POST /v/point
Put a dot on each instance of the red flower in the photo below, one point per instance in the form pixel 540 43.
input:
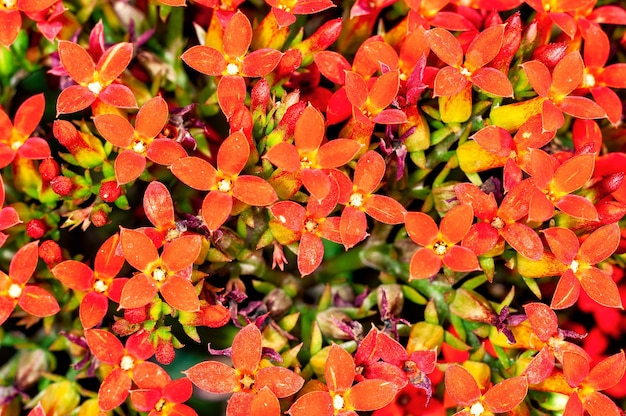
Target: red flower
pixel 256 389
pixel 129 364
pixel 370 102
pixel 95 81
pixel 307 155
pixel 100 283
pixel 140 142
pixel 452 79
pixel 225 182
pixel 159 209
pixel 342 398
pixel 8 215
pixel 168 274
pixel 163 396
pixel 15 137
pixel 285 10
pixel 439 245
pixel 576 263
pixel 500 398
pixel 368 173
pixel 11 19
pixel 233 62
pixel 14 290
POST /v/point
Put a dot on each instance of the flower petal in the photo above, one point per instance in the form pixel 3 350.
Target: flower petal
pixel 74 98
pixel 315 403
pixel 246 349
pixel 456 223
pixel 114 61
pixel 180 294
pixel 339 370
pixel 93 309
pixel 74 274
pixel 352 226
pixel 195 173
pixel 371 394
pixel 600 287
pixel 105 346
pixel 118 95
pixel 566 292
pixel 421 228
pixel 216 208
pixel 204 59
pixel 152 117
pixel 181 252
pixel 384 209
pixel 24 263
pixel 115 129
pixel 214 377
pixel 76 61
pixel 505 395
pixel 461 385
pixel 600 244
pixel 114 390
pixel 281 381
pixel 369 171
pixel 310 253
pixel 139 291
pixel 254 191
pixel 38 302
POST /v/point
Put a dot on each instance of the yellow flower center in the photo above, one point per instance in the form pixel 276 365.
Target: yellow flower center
pixel 159 274
pixel 246 381
pixel 477 409
pixel 589 81
pixel 232 69
pixel 224 185
pixel 139 145
pixel 310 225
pixel 15 291
pixel 159 405
pixel 574 266
pixel 305 163
pixel 100 286
pixel 127 363
pixel 95 87
pixel 440 248
pixel 338 402
pixel 356 200
pixel 465 72
pixel 9 4
pixel 497 223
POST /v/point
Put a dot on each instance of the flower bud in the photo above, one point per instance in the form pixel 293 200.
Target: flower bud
pixel 336 324
pixel 110 191
pixel 62 185
pixel 472 307
pixel 60 398
pixel 49 169
pixel 36 229
pixel 50 253
pixel 99 218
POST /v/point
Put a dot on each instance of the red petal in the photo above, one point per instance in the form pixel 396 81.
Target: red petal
pixel 352 227
pixel 540 367
pixel 180 294
pixel 597 404
pixel 264 403
pixel 581 107
pixel 74 98
pixel 139 291
pixel 114 61
pixel 281 381
pixel 481 238
pixel 566 292
pixel 552 116
pixel 240 404
pixel 421 228
pixel 356 89
pixel 461 259
pixel 371 394
pixel 204 59
pixel 93 309
pixel 309 131
pixel 574 407
pixel 369 171
pixel 114 390
pixel 138 249
pixel 118 95
pixel 445 46
pixel 390 116
pixel 233 154
pixel 600 287
pixel 105 346
pixel 495 139
pixel 12 24
pixel 310 253
pixel 8 218
pixel 538 76
pixel 575 368
pixel 372 54
pixel 461 385
pixel 607 373
pixel 319 184
pixel 231 93
pixel 614 76
pixel 152 117
pixel 384 90
pixel 531 134
pixel 216 209
pixel 610 103
pixel 449 81
pixel 178 391
pixel 338 152
pixel 567 74
pixel 577 207
pixel 315 403
pixel 24 263
pixel 195 173
pixel 29 114
pixel 456 223
pixel 74 274
pixel 484 206
pixel 35 148
pixel 129 166
pixel 115 129
pixel 6 308
pixel 339 369
pixel 289 214
pixel 145 400
pixel 542 319
pixel 38 302
pixel 214 377
pixel 181 252
pixel 165 151
pixel 424 264
pixel 158 205
pixel 253 190
pixel 492 82
pixel 563 243
pixel 505 395
pixel 332 65
pixel 246 349
pixel 285 156
pixel 600 244
pixel 384 209
pixel 237 36
pixel 484 48
pixel 260 63
pixel 77 62
pixel 150 375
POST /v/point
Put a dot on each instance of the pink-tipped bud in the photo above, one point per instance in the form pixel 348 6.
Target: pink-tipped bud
pixel 50 253
pixel 61 185
pixel 36 229
pixel 99 218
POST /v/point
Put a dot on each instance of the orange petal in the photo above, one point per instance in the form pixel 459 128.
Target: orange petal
pixel 339 369
pixel 369 171
pixel 315 403
pixel 332 65
pixel 581 107
pixel 12 24
pixel 260 62
pixel 608 372
pixel 540 367
pixel 578 207
pixel 214 377
pixel 237 36
pixel 600 244
pixel 563 243
pixel 281 381
pixel 337 152
pixel 204 59
pixel 542 319
pixel 74 98
pixel 445 46
pixel 309 131
pixel 461 385
pixel 384 209
pixel 165 151
pixel 216 209
pixel 74 274
pixel 356 89
pixel 456 223
pixel 505 395
pixel 38 302
pixel 114 61
pixel 254 191
pixel 567 74
pixel 600 287
pixel 448 82
pixel 492 82
pixel 180 294
pixel 485 47
pixel 421 228
pixel 538 76
pixel 76 61
pixel 485 206
pixel 461 259
pixel 115 129
pixel 424 264
pixel 233 154
pixel 181 252
pixel 310 253
pixel 264 403
pixel 285 156
pixel 566 292
pixel 114 390
pixel 384 90
pixel 195 173
pixel 24 263
pixel 246 349
pixel 129 166
pixel 575 368
pixel 289 214
pixel 158 205
pixel 139 291
pixel 118 95
pixel 93 309
pixel 152 117
pixel 29 114
pixel 352 227
pixel 574 172
pixel 597 404
pixel 105 346
pixel 138 249
pixel 318 183
pixel 371 394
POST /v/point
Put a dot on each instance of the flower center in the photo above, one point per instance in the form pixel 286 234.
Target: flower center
pixel 246 381
pixel 477 409
pixel 139 146
pixel 465 72
pixel 159 405
pixel 9 4
pixel 356 200
pixel 127 363
pixel 159 274
pixel 224 185
pixel 284 8
pixel 310 225
pixel 589 81
pixel 440 248
pixel 15 291
pixel 95 87
pixel 305 163
pixel 497 223
pixel 574 266
pixel 338 402
pixel 99 286
pixel 232 69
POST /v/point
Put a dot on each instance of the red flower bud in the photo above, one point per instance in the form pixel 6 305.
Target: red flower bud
pixel 110 191
pixel 49 169
pixel 99 218
pixel 165 351
pixel 550 54
pixel 61 185
pixel 50 253
pixel 36 229
pixel 136 315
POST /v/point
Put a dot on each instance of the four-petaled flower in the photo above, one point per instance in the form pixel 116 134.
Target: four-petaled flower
pixel 163 396
pixel 343 398
pixel 139 142
pixel 11 18
pixel 370 101
pixel 95 81
pixel 99 283
pixel 14 290
pixel 285 10
pixel 439 244
pixel 224 183
pixel 256 387
pixel 232 62
pixel 169 274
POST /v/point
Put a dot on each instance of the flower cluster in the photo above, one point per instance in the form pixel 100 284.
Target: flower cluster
pixel 387 207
